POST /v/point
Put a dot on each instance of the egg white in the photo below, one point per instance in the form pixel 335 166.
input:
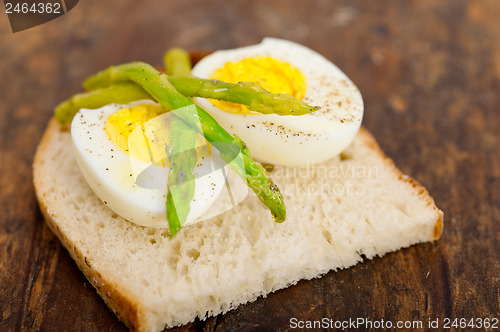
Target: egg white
pixel 109 172
pixel 293 140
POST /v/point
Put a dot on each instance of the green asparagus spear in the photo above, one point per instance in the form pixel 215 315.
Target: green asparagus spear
pixel 181 180
pixel 121 94
pixel 182 154
pixel 250 94
pixel 158 86
pixel 177 62
pixel 256 98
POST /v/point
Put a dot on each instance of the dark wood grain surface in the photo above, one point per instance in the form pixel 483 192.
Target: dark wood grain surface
pixel 429 72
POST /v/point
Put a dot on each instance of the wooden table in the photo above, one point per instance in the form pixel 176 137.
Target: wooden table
pixel 429 72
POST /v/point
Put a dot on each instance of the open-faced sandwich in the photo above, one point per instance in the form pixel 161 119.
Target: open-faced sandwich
pixel 186 192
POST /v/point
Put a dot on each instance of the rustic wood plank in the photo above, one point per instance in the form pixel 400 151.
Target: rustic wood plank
pixel 430 75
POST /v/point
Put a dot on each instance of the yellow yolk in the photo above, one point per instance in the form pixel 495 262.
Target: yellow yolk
pixel 122 123
pixel 148 144
pixel 275 76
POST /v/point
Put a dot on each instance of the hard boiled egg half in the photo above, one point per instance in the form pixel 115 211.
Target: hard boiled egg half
pixel 281 66
pixel 120 150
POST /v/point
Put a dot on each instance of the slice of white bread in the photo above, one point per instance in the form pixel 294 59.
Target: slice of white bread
pixel 355 204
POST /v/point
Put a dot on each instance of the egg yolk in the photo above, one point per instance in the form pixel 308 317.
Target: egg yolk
pixel 151 142
pixel 274 75
pixel 122 123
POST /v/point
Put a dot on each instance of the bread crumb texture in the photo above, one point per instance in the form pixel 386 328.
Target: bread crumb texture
pixel 355 205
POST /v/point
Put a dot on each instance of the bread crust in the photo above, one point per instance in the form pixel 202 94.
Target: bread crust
pixel 119 300
pixel 123 303
pixel 369 139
